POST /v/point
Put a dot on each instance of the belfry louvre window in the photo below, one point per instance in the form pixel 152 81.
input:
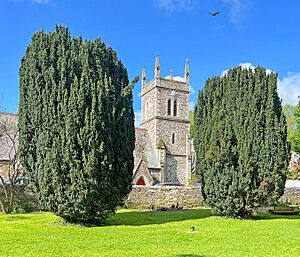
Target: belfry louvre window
pixel 175 108
pixel 169 106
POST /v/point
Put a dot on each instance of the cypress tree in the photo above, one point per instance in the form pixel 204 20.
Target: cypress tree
pixel 291 113
pixel 296 136
pixel 241 141
pixel 76 125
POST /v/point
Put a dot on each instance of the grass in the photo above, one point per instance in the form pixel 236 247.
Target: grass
pixel 132 233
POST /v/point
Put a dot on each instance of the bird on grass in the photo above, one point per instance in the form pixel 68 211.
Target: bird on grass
pixel 193 229
pixel 214 13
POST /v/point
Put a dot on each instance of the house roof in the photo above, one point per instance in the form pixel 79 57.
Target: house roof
pixel 8 131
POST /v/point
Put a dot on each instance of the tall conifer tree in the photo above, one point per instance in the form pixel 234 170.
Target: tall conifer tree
pixel 296 135
pixel 241 141
pixel 76 125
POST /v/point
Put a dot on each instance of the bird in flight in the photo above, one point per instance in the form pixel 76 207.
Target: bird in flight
pixel 214 13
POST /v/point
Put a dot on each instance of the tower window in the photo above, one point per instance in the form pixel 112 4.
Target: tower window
pixel 175 108
pixel 169 106
pixel 173 138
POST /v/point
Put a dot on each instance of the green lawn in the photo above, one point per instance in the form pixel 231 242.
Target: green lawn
pixel 132 233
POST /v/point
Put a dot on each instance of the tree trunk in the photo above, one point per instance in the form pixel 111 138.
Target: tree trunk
pixel 7 199
pixel 11 200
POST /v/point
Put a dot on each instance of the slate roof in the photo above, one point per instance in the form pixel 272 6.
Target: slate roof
pixel 144 149
pixel 6 146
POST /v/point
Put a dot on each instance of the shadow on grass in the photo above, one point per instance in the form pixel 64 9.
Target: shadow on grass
pixel 270 216
pixel 139 218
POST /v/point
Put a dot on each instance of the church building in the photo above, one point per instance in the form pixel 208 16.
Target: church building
pixel 163 148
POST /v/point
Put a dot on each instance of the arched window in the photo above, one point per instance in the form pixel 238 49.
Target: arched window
pixel 175 108
pixel 141 182
pixel 169 106
pixel 173 138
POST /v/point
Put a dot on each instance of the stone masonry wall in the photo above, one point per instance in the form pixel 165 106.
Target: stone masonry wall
pixel 150 126
pixel 24 196
pixel 165 129
pixel 4 165
pixel 143 197
pixel 291 194
pixel 148 106
pixel 175 169
pixel 182 98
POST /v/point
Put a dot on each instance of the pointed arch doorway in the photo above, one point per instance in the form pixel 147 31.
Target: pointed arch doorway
pixel 141 182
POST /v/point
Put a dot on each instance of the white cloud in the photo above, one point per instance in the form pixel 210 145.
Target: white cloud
pixel 237 9
pixel 175 5
pixel 289 88
pixel 246 65
pixel 177 78
pixel 137 119
pixel 192 90
pixel 191 105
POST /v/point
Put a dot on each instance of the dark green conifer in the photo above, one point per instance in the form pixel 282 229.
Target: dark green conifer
pixel 76 125
pixel 241 141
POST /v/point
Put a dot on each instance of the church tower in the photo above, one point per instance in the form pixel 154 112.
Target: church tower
pixel 165 115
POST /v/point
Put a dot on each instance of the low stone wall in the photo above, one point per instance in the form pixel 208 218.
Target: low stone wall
pixel 142 197
pixel 25 199
pixel 291 194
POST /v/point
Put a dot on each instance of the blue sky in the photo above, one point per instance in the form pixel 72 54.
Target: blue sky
pixel 246 31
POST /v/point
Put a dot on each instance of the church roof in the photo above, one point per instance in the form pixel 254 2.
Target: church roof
pixel 144 149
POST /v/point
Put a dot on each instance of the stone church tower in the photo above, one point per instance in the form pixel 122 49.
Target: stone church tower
pixel 165 116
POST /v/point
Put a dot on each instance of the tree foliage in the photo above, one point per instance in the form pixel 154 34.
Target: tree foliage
pixel 241 141
pixel 76 125
pixel 295 139
pixel 291 113
pixel 191 118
